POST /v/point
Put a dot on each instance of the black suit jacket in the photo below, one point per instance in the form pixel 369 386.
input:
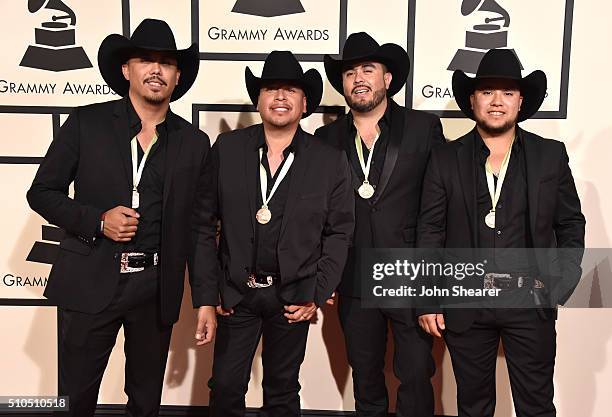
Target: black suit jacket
pixel 449 207
pixel 317 223
pixel 93 149
pixel 395 204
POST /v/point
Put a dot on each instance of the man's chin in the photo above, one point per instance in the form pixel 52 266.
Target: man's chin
pixel 498 129
pixel 281 123
pixel 156 98
pixel 361 101
pixel 365 105
pixel 361 106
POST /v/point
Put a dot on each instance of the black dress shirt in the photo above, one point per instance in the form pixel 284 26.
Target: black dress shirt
pixel 363 236
pixel 512 211
pixel 150 188
pixel 267 235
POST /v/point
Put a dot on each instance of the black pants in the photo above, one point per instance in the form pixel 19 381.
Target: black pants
pixel 284 345
pixel 86 341
pixel 365 332
pixel 529 345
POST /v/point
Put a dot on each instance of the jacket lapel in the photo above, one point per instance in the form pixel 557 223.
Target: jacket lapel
pixel 341 132
pixel 251 171
pixel 396 135
pixel 298 173
pixel 173 148
pixel 122 129
pixel 467 174
pixel 533 164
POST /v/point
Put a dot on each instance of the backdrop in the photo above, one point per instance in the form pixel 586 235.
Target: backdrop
pixel 49 65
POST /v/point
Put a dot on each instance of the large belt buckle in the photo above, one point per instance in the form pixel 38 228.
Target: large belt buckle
pixel 493 280
pixel 125 268
pixel 252 282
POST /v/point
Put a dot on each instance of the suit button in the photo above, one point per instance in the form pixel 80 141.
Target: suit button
pixel 498 232
pixel 116 255
pixel 374 210
pixel 252 239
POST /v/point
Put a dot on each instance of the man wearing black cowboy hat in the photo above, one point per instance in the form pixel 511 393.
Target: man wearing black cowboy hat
pixel 138 215
pixel 501 187
pixel 388 147
pixel 286 208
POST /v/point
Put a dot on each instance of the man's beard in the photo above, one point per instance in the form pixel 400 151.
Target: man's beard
pixel 364 107
pixel 155 99
pixel 496 130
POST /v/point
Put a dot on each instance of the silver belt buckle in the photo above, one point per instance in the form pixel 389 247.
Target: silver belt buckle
pixel 489 280
pixel 125 257
pixel 252 282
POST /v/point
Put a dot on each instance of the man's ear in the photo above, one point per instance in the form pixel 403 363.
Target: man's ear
pixel 126 71
pixel 388 77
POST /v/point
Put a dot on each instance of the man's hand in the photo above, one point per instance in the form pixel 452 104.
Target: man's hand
pixel 301 312
pixel 207 325
pixel 331 300
pixel 223 312
pixel 432 323
pixel 120 223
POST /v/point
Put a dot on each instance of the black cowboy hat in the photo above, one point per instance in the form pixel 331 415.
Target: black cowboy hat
pixel 360 47
pixel 504 64
pixel 150 35
pixel 283 66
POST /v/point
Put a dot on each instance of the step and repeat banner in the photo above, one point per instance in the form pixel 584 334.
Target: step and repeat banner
pixel 49 65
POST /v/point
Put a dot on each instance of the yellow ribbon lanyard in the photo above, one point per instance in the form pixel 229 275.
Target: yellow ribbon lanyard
pixel 495 192
pixel 137 169
pixel 365 167
pixel 263 178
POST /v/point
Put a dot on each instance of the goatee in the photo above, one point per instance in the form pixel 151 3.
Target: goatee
pixel 155 99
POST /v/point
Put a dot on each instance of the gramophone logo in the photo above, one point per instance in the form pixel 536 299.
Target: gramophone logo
pixel 268 8
pixel 471 29
pixel 55 48
pixel 491 33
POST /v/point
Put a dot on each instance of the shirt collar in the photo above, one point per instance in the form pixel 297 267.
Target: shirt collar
pixel 384 121
pixel 135 125
pixel 293 146
pixel 482 147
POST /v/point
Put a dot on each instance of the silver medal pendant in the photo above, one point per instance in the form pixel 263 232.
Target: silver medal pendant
pixel 490 219
pixel 366 190
pixel 263 215
pixel 135 199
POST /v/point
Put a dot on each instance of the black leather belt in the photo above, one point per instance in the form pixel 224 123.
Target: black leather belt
pixel 261 280
pixel 493 280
